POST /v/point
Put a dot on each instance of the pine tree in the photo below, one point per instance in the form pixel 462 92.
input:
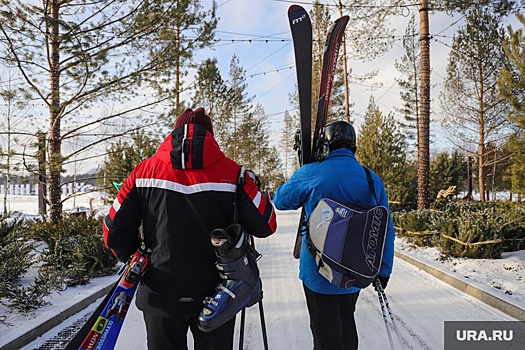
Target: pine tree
pixel 123 156
pixel 291 161
pixel 512 87
pixel 15 124
pixel 211 94
pixel 237 104
pixel 72 54
pixel 447 170
pixel 470 97
pixel 409 66
pixel 382 148
pixel 500 7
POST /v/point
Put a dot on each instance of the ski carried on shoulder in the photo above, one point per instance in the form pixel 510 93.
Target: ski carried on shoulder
pixel 102 329
pixel 331 52
pixel 301 28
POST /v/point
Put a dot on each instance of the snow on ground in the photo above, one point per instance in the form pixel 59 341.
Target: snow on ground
pixel 504 277
pixel 420 302
pixel 28 205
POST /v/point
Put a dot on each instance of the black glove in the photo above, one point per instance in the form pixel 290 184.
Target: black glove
pixel 383 280
pixel 124 254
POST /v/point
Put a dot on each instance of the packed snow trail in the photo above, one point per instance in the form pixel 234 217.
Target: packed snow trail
pixel 419 302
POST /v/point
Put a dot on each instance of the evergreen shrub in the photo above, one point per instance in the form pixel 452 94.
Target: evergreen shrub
pixel 16 257
pixel 75 250
pixel 37 258
pixel 415 226
pixel 466 229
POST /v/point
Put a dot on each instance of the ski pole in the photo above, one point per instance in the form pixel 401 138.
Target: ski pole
pixel 377 285
pixel 263 325
pixel 382 291
pixel 241 335
pixel 382 297
pixel 261 309
pixel 261 315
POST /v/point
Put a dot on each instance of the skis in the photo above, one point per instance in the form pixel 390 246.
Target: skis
pixel 302 39
pixel 103 327
pixel 331 52
pixel 301 28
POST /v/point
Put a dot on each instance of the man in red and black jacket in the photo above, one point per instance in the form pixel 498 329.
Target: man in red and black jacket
pixel 179 196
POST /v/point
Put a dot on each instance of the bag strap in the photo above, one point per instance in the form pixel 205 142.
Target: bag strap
pixel 371 183
pixel 241 181
pixel 240 184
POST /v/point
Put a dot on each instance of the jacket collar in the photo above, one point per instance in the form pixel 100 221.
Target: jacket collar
pixel 341 152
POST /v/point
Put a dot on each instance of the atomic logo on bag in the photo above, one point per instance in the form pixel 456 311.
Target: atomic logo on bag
pixel 372 237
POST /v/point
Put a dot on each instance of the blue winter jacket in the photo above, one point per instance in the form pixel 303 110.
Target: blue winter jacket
pixel 339 177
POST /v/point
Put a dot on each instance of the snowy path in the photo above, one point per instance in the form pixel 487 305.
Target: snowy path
pixel 420 303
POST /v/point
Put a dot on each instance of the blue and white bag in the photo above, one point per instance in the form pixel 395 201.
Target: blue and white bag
pixel 347 241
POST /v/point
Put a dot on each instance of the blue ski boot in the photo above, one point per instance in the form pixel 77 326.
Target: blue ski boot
pixel 241 287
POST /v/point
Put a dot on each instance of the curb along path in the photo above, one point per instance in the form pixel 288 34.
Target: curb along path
pixel 53 321
pixel 477 292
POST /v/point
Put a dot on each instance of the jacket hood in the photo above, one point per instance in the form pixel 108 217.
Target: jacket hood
pixel 190 146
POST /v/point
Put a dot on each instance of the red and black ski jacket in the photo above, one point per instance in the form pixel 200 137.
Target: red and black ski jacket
pixel 180 195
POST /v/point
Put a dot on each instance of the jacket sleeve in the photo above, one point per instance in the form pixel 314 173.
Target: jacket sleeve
pixel 121 225
pixel 256 213
pixel 388 251
pixel 293 193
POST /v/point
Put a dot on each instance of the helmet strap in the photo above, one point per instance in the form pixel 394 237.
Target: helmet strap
pixel 324 149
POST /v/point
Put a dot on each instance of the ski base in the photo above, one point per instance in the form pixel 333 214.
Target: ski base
pixel 106 323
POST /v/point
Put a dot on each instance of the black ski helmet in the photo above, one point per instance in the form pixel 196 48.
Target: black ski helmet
pixel 340 134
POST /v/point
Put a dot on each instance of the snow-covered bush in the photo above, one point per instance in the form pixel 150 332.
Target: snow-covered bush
pixel 415 226
pixel 75 250
pixel 37 258
pixel 466 229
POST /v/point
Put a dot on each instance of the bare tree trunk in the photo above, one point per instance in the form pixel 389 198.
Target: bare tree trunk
pixel 345 72
pixel 423 158
pixel 55 141
pixel 481 164
pixel 468 196
pixel 481 145
pixel 177 70
pixel 8 161
pixel 42 187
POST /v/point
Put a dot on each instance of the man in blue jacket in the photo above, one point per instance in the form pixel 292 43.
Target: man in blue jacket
pixel 341 178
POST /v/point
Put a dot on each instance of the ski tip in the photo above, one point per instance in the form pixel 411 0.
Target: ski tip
pixel 294 8
pixel 344 19
pixel 298 15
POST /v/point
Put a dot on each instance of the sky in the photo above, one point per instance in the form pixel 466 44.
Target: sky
pixel 258 32
pixel 270 65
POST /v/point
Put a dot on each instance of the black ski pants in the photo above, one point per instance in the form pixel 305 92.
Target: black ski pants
pixel 170 333
pixel 332 320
